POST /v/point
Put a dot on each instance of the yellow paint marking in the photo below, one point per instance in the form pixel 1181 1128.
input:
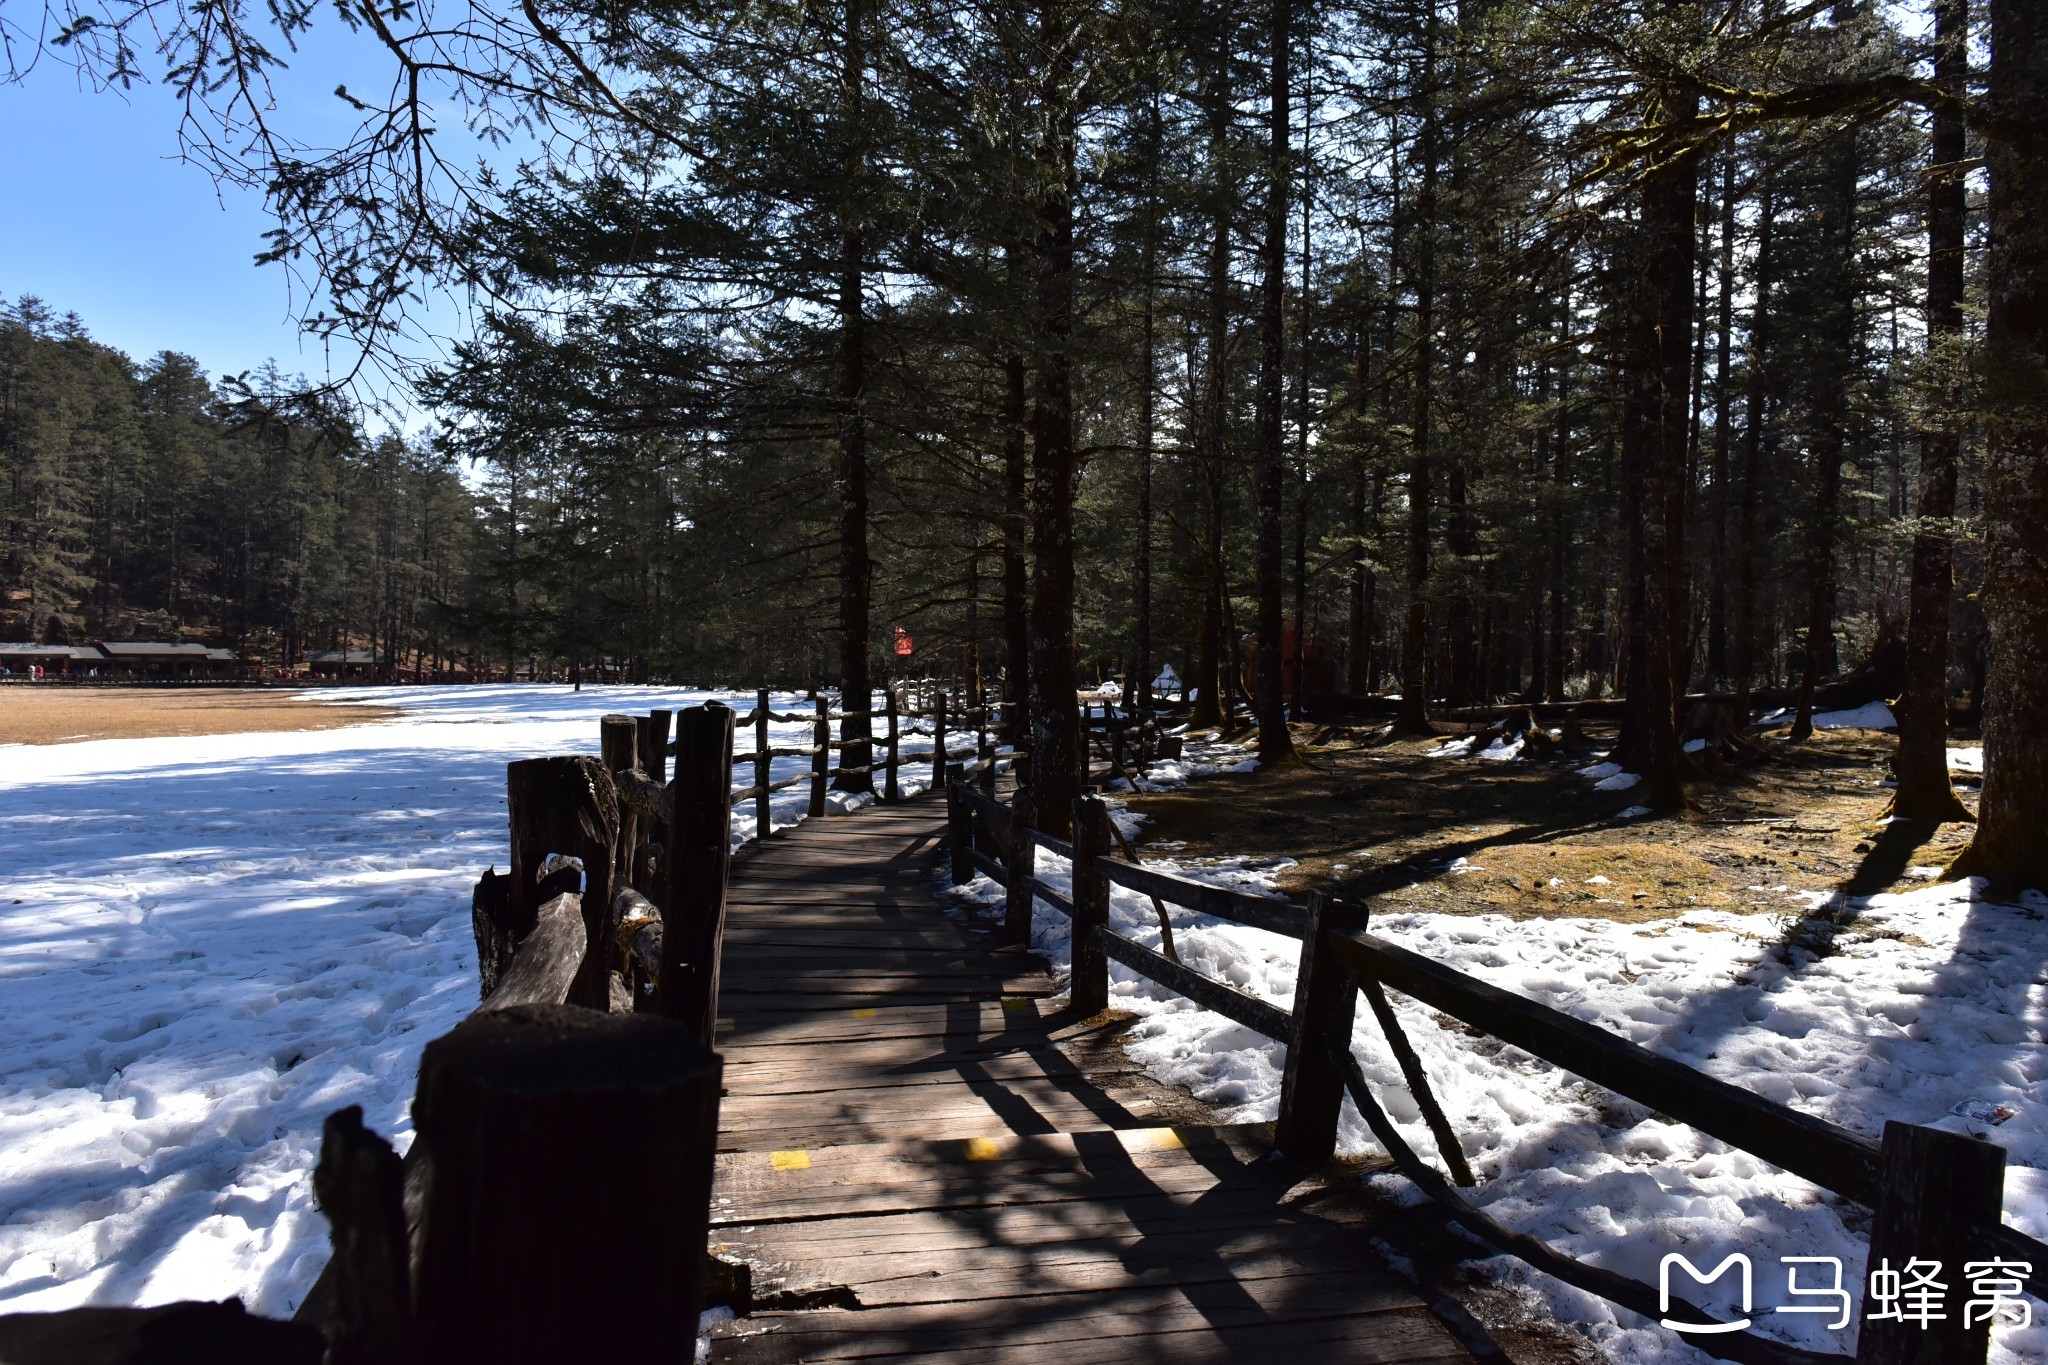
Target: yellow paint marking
pixel 1015 1006
pixel 984 1149
pixel 726 1026
pixel 789 1161
pixel 867 1012
pixel 1166 1139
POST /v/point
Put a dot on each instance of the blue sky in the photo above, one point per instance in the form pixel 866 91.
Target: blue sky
pixel 98 216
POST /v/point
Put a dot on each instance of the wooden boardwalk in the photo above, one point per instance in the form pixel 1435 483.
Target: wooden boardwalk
pixel 916 1170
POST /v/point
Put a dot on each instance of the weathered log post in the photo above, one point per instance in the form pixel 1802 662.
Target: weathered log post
pixel 890 790
pixel 569 1156
pixel 985 753
pixel 1934 1190
pixel 1019 866
pixel 694 933
pixel 360 1187
pixel 1089 979
pixel 654 728
pixel 938 739
pixel 490 918
pixel 654 744
pixel 637 931
pixel 619 745
pixel 1312 1086
pixel 821 756
pixel 764 766
pixel 959 831
pixel 569 806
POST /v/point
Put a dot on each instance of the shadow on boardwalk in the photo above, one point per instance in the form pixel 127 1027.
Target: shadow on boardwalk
pixel 915 1168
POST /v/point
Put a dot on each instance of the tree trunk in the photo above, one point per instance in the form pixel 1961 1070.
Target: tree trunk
pixel 1757 404
pixel 1016 534
pixel 1655 432
pixel 1140 690
pixel 1276 745
pixel 856 688
pixel 1837 329
pixel 1717 561
pixel 1560 531
pixel 2008 847
pixel 1056 755
pixel 1209 664
pixel 1924 791
pixel 1298 696
pixel 1413 716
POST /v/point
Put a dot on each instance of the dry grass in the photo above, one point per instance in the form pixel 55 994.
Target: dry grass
pixel 1390 822
pixel 56 714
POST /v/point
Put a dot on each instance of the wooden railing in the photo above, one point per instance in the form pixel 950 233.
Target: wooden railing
pixel 1934 1195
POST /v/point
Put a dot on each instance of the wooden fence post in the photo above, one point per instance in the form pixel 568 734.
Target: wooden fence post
pixel 959 829
pixel 938 739
pixel 490 919
pixel 985 753
pixel 1933 1189
pixel 619 745
pixel 360 1186
pixel 821 757
pixel 1019 867
pixel 569 806
pixel 566 1218
pixel 890 790
pixel 1312 1087
pixel 1088 981
pixel 654 762
pixel 654 745
pixel 693 932
pixel 764 766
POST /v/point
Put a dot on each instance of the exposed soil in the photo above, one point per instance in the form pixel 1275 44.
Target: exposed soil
pixel 1389 823
pixel 57 714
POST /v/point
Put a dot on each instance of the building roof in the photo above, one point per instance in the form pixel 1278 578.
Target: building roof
pixel 24 651
pixel 341 656
pixel 164 649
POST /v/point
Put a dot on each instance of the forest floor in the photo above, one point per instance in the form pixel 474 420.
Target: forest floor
pixel 56 714
pixel 1399 825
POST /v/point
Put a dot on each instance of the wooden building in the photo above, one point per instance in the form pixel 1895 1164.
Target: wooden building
pixel 165 659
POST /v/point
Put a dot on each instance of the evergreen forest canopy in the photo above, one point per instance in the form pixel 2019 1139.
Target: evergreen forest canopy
pixel 144 502
pixel 1534 349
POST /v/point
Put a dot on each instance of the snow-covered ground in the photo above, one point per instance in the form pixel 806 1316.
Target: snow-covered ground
pixel 209 944
pixel 1930 1007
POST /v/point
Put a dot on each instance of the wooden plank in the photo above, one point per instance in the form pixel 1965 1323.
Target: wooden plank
pixel 1024 1103
pixel 1401 1335
pixel 783 1023
pixel 875 1246
pixel 789 1075
pixel 879 957
pixel 1190 1256
pixel 819 990
pixel 1064 1324
pixel 996 1169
